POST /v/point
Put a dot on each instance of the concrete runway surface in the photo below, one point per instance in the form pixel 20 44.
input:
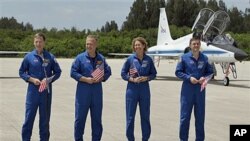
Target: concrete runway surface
pixel 224 105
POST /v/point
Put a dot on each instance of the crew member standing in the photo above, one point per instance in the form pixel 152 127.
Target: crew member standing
pixel 192 69
pixel 39 68
pixel 89 69
pixel 138 70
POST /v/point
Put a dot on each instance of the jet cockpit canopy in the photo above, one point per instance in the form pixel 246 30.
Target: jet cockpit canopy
pixel 211 23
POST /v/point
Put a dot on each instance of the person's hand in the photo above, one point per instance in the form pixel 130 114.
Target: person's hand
pixel 194 80
pixel 98 80
pixel 35 81
pixel 201 80
pixel 139 79
pixel 89 80
pixel 43 81
pixel 143 79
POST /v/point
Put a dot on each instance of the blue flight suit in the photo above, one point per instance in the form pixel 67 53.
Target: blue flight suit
pixel 33 65
pixel 191 94
pixel 138 93
pixel 88 96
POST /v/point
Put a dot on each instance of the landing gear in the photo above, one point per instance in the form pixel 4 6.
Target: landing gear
pixel 157 60
pixel 226 68
pixel 214 69
pixel 226 81
pixel 233 69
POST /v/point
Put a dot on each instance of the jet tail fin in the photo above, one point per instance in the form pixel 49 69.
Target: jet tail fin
pixel 164 36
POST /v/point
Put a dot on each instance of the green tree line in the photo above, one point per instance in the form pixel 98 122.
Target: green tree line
pixel 142 20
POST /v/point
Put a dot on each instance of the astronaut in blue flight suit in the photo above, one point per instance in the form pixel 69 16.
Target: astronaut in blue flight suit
pixel 35 68
pixel 138 70
pixel 192 69
pixel 89 94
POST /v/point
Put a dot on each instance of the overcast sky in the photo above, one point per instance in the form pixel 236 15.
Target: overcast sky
pixel 82 14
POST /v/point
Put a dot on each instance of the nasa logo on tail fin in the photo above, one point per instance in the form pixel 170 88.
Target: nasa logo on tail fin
pixel 164 36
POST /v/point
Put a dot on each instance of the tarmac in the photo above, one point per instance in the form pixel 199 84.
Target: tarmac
pixel 225 105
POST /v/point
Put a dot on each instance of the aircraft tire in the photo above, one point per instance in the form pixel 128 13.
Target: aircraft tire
pixel 226 81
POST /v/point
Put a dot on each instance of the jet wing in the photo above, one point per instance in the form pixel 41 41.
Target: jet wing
pixel 120 54
pixel 12 52
pixel 174 53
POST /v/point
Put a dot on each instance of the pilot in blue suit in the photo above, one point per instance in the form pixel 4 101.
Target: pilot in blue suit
pixel 138 70
pixel 38 67
pixel 89 69
pixel 193 69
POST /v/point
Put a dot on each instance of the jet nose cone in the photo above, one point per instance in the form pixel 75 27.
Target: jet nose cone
pixel 240 55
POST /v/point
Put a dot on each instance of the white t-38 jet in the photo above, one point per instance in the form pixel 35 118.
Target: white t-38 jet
pixel 218 47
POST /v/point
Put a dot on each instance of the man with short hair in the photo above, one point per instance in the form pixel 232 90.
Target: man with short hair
pixel 89 69
pixel 39 69
pixel 192 69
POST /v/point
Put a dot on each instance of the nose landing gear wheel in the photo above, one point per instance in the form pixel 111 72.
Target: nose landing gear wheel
pixel 226 81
